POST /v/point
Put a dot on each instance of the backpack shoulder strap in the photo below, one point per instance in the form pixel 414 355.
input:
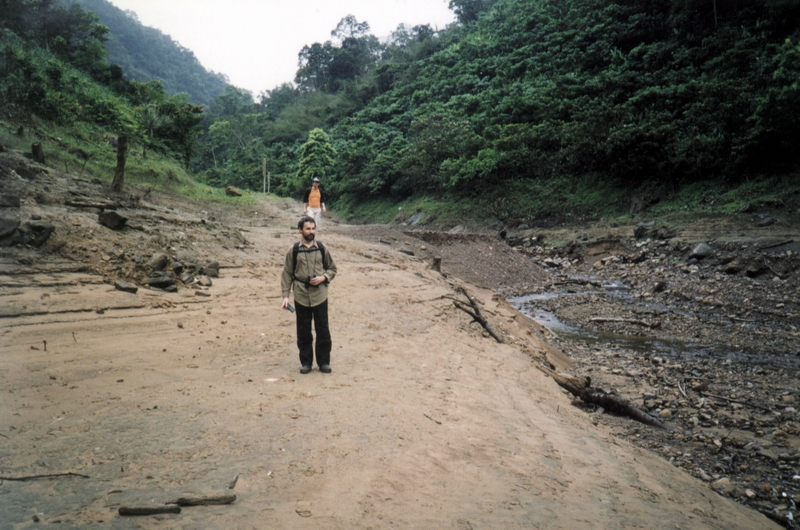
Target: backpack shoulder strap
pixel 321 251
pixel 295 251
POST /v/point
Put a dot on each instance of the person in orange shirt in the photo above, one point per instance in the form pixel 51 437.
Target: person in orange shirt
pixel 314 202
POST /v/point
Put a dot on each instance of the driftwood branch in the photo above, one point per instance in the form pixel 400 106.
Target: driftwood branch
pixel 474 311
pixel 101 204
pixel 729 400
pixel 626 321
pixel 776 244
pixel 204 501
pixel 53 475
pixel 433 420
pixel 578 281
pixel 148 510
pixel 580 388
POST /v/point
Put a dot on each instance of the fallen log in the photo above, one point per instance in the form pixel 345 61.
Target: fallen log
pixel 100 204
pixel 618 320
pixel 52 475
pixel 204 501
pixel 148 510
pixel 776 244
pixel 580 388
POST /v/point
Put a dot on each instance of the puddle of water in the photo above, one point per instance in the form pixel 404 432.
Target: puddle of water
pixel 643 344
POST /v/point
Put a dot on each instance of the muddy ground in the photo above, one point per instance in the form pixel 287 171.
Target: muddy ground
pixel 115 398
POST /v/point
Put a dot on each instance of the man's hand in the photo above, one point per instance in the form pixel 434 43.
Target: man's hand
pixel 285 303
pixel 316 280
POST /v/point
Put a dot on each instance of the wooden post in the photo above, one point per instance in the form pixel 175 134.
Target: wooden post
pixel 119 172
pixel 264 175
pixel 36 153
pixel 715 14
pixel 269 177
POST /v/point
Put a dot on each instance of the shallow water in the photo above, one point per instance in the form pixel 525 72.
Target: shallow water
pixel 673 349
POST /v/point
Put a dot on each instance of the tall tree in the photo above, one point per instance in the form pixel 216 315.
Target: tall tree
pixel 316 157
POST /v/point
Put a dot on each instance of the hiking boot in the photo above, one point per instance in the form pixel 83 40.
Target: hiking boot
pixel 325 369
pixel 305 369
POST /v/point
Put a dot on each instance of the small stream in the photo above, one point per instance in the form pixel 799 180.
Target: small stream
pixel 672 349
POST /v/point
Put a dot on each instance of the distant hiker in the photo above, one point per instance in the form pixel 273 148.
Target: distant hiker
pixel 314 202
pixel 308 269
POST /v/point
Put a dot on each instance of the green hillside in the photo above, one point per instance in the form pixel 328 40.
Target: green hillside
pixel 523 108
pixel 145 54
pixel 531 105
pixel 57 88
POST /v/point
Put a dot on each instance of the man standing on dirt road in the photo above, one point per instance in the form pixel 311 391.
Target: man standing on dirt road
pixel 308 269
pixel 314 202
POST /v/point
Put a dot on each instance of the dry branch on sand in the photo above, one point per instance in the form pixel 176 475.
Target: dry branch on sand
pixel 580 388
pixel 474 311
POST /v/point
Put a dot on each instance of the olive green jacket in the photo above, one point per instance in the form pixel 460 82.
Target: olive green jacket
pixel 309 263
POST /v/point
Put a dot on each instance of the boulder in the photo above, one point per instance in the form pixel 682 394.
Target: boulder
pixel 112 219
pixel 128 287
pixel 9 201
pixel 8 225
pixel 35 233
pixel 766 221
pixel 641 230
pixel 702 250
pixel 161 280
pixel 415 219
pixel 734 267
pixel 211 269
pixel 654 231
pixel 158 261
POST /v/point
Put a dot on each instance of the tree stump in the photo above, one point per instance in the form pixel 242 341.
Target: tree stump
pixel 119 173
pixel 36 153
pixel 20 131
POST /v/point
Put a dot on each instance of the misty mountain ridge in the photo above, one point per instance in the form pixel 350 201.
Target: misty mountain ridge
pixel 145 54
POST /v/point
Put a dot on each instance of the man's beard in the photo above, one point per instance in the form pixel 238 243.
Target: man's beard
pixel 309 238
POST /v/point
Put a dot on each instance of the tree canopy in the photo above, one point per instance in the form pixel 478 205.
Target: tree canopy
pixel 629 91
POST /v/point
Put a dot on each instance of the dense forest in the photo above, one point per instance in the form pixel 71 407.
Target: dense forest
pixel 515 97
pixel 628 92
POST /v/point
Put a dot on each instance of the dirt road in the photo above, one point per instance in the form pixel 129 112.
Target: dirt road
pixel 425 421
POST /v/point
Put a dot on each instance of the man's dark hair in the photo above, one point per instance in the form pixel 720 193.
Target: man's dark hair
pixel 305 219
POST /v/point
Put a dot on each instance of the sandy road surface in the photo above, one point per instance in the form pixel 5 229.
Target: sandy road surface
pixel 424 423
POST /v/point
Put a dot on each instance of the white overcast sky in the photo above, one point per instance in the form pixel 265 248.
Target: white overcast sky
pixel 256 42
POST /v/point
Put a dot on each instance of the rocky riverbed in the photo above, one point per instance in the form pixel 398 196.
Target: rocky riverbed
pixel 695 323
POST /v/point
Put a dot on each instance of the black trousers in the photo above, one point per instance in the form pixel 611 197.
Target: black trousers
pixel 319 315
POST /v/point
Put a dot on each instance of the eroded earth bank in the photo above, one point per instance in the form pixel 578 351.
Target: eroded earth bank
pixel 426 420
